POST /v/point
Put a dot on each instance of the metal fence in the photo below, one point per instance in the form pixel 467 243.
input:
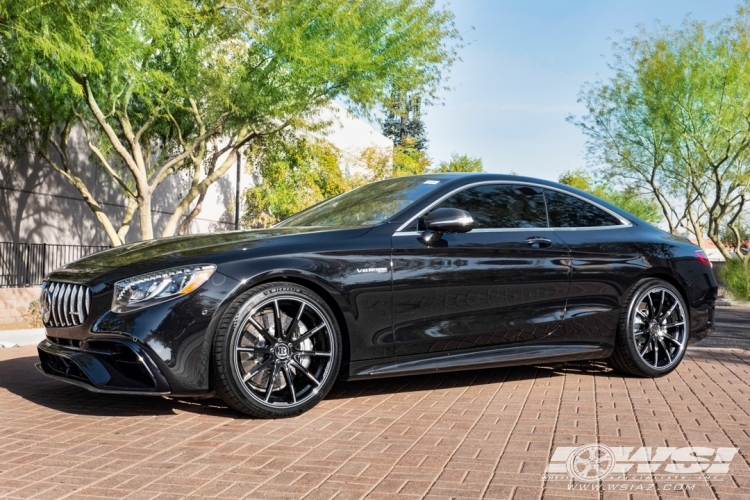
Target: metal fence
pixel 26 264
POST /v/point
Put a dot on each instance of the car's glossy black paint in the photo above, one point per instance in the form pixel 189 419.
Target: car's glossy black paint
pixel 485 296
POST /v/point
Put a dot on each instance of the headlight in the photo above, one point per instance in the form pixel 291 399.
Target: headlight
pixel 149 289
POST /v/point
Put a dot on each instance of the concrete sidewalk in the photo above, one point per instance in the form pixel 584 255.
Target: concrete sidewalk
pixel 476 434
pixel 22 337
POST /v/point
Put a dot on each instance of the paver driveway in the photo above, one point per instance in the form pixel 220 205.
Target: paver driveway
pixel 486 433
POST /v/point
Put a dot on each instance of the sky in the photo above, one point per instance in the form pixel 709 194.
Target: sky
pixel 523 66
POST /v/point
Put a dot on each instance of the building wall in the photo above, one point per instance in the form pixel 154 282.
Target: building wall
pixel 38 205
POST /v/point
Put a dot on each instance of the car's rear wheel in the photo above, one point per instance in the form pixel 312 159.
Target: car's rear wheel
pixel 277 351
pixel 653 332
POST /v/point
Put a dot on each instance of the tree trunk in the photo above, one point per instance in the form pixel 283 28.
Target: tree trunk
pixel 195 192
pixel 144 217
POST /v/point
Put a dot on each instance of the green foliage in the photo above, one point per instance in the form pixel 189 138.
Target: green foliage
pixel 461 163
pixel 404 159
pixel 155 84
pixel 674 120
pixel 293 173
pixel 630 200
pixel 409 160
pixel 403 123
pixel 736 275
pixel 33 315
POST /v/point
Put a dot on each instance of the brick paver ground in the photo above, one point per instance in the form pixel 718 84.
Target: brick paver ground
pixel 473 434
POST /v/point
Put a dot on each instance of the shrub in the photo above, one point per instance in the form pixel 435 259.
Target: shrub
pixel 33 315
pixel 736 275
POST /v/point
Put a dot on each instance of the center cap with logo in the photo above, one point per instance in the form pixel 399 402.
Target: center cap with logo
pixel 281 351
pixel 655 329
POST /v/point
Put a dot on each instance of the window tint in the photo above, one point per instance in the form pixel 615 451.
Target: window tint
pixel 498 206
pixel 568 211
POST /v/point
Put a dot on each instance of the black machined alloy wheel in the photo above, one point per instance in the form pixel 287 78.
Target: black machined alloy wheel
pixel 654 331
pixel 277 351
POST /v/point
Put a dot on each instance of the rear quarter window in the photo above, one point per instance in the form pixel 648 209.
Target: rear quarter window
pixel 569 211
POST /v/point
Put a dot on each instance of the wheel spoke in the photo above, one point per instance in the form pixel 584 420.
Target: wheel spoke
pixel 278 329
pixel 666 314
pixel 674 341
pixel 679 323
pixel 646 345
pixel 656 353
pixel 313 353
pixel 641 314
pixel 651 308
pixel 664 346
pixel 295 322
pixel 257 370
pixel 305 372
pixel 290 383
pixel 661 305
pixel 308 334
pixel 271 381
pixel 262 330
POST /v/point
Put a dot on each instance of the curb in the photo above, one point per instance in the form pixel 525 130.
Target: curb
pixel 732 303
pixel 22 337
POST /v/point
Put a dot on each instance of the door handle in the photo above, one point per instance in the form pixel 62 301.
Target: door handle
pixel 538 242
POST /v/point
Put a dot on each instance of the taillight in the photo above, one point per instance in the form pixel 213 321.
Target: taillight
pixel 701 256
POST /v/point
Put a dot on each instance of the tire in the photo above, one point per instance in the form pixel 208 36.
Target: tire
pixel 267 375
pixel 653 331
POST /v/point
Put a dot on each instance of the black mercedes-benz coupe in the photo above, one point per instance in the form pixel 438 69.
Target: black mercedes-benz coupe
pixel 404 276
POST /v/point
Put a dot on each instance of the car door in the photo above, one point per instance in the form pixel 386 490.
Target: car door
pixel 504 282
pixel 606 260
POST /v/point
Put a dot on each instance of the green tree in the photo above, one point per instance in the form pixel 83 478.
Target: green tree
pixel 157 87
pixel 461 163
pixel 291 173
pixel 408 160
pixel 674 120
pixel 641 205
pixel 403 123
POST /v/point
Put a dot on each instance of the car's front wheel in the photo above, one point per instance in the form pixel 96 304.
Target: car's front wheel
pixel 277 351
pixel 653 332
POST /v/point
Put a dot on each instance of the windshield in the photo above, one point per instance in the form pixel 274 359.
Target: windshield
pixel 365 206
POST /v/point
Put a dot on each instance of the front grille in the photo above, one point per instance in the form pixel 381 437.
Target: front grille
pixel 64 304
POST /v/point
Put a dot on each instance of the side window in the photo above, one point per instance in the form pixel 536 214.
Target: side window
pixel 568 211
pixel 499 206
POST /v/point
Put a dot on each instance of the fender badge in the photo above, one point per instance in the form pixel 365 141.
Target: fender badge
pixel 373 270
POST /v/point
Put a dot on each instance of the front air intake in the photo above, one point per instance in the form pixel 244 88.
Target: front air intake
pixel 65 305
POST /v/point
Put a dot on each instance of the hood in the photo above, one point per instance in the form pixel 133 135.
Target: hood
pixel 146 256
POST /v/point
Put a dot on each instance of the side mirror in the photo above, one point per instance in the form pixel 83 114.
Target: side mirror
pixel 446 220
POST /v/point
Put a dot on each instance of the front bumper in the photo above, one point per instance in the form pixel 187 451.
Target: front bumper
pixel 106 365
